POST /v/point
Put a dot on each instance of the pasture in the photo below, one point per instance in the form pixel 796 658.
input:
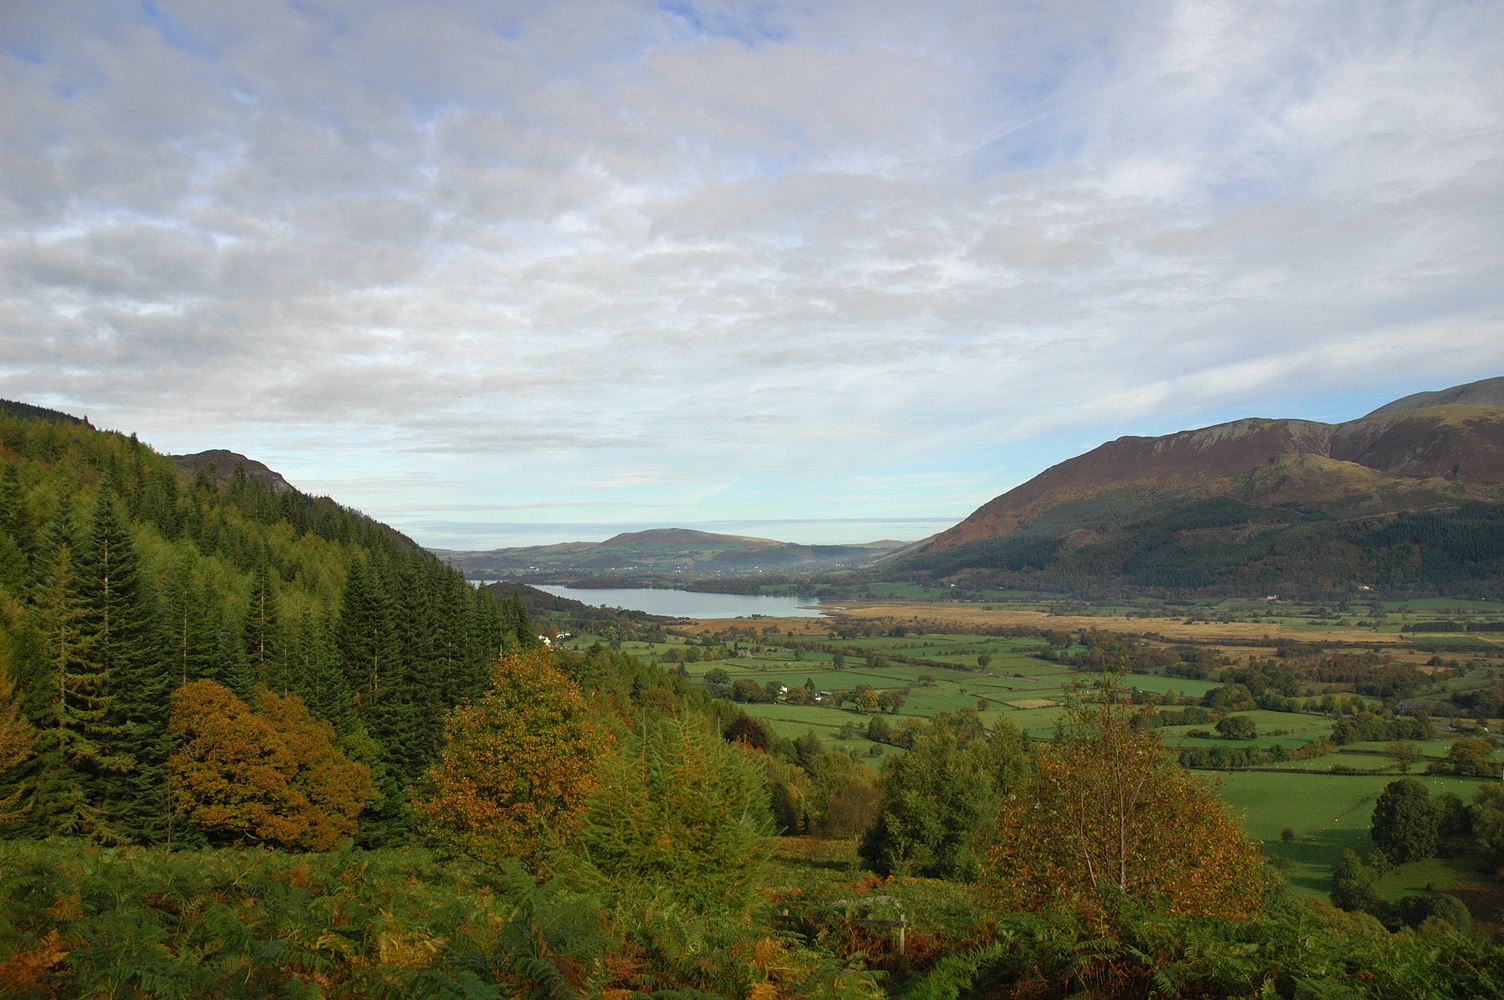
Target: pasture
pixel 1004 679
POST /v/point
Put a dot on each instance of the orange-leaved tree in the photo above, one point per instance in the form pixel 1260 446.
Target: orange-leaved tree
pixel 517 765
pixel 1107 816
pixel 274 777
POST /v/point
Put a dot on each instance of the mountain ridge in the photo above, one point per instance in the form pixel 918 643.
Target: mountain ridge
pixel 1406 499
pixel 658 553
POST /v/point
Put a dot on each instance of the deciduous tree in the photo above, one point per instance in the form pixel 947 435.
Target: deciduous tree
pixel 1473 758
pixel 273 777
pixel 517 765
pixel 678 817
pixel 1106 815
pixel 937 796
pixel 1405 822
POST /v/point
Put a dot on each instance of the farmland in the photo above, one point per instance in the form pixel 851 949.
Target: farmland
pixel 943 660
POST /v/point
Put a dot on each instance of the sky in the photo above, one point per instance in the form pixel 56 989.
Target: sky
pixel 513 273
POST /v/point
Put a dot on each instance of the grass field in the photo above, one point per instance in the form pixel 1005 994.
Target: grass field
pixel 1328 811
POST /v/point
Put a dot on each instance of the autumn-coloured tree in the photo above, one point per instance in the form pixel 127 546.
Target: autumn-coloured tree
pixel 1106 816
pixel 517 765
pixel 273 777
pixel 335 787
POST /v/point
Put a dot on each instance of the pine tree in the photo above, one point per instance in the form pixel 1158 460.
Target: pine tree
pixel 134 800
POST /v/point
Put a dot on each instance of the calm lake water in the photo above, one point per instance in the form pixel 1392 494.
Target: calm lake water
pixel 688 604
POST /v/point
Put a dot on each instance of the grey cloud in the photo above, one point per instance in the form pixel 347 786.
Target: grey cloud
pixel 538 244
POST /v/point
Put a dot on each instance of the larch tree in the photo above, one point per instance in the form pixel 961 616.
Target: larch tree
pixel 679 817
pixel 1106 816
pixel 517 765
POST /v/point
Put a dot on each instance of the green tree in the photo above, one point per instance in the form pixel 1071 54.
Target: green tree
pixel 678 818
pixel 263 634
pixel 18 739
pixel 1405 824
pixel 1487 816
pixel 1473 758
pixel 134 796
pixel 1353 885
pixel 70 750
pixel 936 797
pixel 1404 753
pixel 187 620
pixel 1237 727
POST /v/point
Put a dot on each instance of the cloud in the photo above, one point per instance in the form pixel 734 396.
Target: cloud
pixel 712 261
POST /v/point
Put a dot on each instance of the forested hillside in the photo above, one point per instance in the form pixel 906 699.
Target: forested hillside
pixel 120 583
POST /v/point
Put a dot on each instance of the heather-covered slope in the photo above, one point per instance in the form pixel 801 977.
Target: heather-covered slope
pixel 1254 505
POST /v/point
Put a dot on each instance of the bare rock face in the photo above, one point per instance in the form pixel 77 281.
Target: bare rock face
pixel 222 463
pixel 1427 436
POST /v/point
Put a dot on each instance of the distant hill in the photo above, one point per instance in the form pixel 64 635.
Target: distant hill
pixel 1485 392
pixel 1255 504
pixel 222 463
pixel 656 555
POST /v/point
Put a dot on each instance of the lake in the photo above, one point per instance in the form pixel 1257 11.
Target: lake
pixel 689 604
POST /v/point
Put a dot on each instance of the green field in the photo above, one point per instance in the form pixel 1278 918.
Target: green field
pixel 1328 811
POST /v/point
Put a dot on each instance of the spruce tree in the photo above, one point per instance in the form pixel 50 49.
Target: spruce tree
pixel 263 634
pixel 422 665
pixel 117 606
pixel 15 513
pixel 189 639
pixel 70 751
pixel 367 643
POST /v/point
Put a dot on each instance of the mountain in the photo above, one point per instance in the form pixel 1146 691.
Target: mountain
pixel 1485 392
pixel 656 554
pixel 222 463
pixel 1250 504
pixel 157 583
